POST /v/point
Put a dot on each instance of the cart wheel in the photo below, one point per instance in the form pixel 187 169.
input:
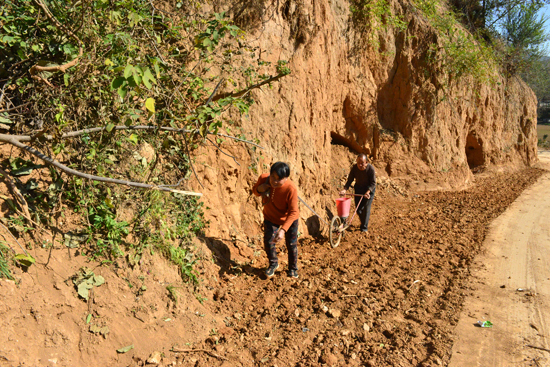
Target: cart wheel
pixel 335 234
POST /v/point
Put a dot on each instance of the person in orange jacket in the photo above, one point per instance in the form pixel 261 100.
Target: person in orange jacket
pixel 281 213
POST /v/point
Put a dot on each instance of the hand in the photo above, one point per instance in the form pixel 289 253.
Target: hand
pixel 263 188
pixel 343 192
pixel 280 235
pixel 367 195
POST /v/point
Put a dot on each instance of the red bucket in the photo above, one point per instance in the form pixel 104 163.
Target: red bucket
pixel 343 205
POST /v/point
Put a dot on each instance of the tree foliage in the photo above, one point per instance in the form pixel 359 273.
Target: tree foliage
pixel 84 83
pixel 514 29
pixel 81 64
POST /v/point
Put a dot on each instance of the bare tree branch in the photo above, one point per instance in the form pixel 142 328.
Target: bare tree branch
pixel 35 69
pixel 27 138
pixel 243 92
pixel 191 163
pixel 214 92
pixel 218 147
pixel 71 171
pixel 14 108
pixel 56 22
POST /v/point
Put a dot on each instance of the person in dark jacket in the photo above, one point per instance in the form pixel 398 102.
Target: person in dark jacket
pixel 365 184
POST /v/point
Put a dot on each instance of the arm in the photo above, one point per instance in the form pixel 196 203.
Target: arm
pixel 293 211
pixel 372 179
pixel 351 177
pixel 262 185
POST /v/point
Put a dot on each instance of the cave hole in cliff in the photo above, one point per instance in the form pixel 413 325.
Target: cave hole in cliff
pixel 474 151
pixel 337 139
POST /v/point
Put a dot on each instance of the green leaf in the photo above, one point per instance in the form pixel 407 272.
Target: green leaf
pixel 148 78
pixel 147 83
pixel 89 318
pixel 150 75
pixel 202 130
pixel 66 79
pixel 5 120
pixel 150 104
pixel 128 71
pixel 109 127
pixel 133 138
pixel 25 169
pixel 122 91
pixel 157 69
pixel 125 349
pixel 137 78
pixel 84 290
pixel 24 259
pixel 117 83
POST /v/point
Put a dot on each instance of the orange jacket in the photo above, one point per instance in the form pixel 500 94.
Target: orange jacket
pixel 282 206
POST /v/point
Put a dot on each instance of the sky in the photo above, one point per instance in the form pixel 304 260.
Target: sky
pixel 546 12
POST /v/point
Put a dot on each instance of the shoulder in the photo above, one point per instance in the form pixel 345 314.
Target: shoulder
pixel 291 187
pixel 263 176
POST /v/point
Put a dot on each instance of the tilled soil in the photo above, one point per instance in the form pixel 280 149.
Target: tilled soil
pixel 389 298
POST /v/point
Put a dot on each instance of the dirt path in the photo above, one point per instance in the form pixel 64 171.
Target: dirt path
pixel 512 287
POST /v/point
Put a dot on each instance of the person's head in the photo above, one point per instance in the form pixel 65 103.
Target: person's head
pixel 362 161
pixel 278 174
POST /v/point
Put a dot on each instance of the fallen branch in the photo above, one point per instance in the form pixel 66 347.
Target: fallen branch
pixel 14 108
pixel 25 251
pixel 17 194
pixel 539 348
pixel 176 350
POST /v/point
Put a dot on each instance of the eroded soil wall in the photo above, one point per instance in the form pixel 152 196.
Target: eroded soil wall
pixel 382 98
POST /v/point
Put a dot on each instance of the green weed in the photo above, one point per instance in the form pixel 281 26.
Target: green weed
pixel 5 259
pixel 459 53
pixel 375 15
pixel 108 232
pixel 173 293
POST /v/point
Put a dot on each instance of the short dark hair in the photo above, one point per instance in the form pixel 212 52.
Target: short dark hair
pixel 363 156
pixel 281 169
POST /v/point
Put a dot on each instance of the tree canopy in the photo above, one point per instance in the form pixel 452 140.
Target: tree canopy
pixel 85 83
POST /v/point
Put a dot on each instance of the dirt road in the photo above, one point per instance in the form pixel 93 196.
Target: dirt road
pixel 512 287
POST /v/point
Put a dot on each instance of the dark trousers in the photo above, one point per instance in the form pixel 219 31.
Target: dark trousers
pixel 363 210
pixel 291 239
